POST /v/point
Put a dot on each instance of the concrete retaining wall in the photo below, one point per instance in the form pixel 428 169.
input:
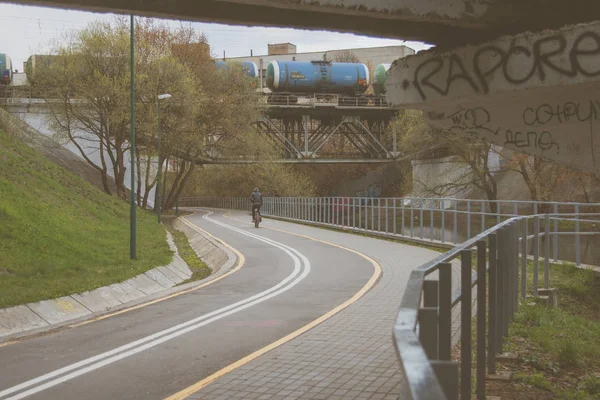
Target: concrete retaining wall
pixel 48 314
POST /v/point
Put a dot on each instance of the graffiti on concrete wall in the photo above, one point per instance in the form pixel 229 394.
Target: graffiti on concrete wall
pixel 515 64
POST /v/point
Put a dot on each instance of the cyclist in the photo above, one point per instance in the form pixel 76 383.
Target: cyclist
pixel 256 199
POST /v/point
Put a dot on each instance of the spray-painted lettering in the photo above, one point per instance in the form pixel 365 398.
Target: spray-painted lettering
pixel 517 64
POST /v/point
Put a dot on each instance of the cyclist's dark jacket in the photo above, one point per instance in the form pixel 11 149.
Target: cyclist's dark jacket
pixel 256 198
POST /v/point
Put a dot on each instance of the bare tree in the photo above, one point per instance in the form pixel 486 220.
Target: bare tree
pixel 346 56
pixel 468 168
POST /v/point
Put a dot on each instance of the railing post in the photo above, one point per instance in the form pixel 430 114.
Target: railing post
pixel 378 215
pixel 500 305
pixel 443 232
pixel 536 253
pixel 447 374
pixel 481 311
pixel 387 217
pixel 445 312
pixel 465 325
pixel 547 252
pixel 402 227
pixel 555 246
pixel 455 238
pixel 412 218
pixel 492 304
pixel 468 219
pixel 524 259
pixel 421 218
pixel 373 214
pixel 394 216
pixel 482 215
pixel 577 238
pixel 354 212
pixel 431 235
pixel 428 316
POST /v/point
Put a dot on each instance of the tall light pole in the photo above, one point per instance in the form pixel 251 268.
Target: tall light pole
pixel 132 216
pixel 160 97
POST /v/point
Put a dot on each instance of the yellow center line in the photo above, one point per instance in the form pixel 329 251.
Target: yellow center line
pixel 240 263
pixel 209 379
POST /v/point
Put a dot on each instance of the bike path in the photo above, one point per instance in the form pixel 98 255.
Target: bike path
pixel 151 352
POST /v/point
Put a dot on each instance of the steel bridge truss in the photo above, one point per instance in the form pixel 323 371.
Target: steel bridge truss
pixel 322 137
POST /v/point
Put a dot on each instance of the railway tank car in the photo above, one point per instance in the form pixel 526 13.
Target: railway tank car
pixel 379 77
pixel 5 69
pixel 317 77
pixel 248 66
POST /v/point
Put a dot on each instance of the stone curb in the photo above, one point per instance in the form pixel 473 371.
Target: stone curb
pixel 46 315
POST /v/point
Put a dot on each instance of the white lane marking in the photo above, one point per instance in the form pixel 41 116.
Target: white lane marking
pixel 137 346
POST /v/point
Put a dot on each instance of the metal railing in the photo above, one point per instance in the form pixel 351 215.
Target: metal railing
pixel 443 222
pixel 423 330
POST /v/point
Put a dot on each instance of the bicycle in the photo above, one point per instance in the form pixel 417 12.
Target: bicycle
pixel 256 217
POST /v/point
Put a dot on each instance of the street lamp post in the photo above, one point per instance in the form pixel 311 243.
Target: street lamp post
pixel 158 207
pixel 132 210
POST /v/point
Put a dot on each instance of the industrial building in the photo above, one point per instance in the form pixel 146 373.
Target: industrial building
pixel 287 52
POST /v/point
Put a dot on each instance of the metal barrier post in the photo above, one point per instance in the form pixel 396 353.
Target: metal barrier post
pixel 349 209
pixel 515 266
pixel 443 233
pixel 354 212
pixel 447 374
pixel 445 312
pixel 482 215
pixel 387 217
pixel 412 218
pixel 428 315
pixel 402 228
pixel 455 221
pixel 421 219
pixel 577 238
pixel 536 253
pixel 394 216
pixel 373 214
pixel 500 289
pixel 359 213
pixel 506 280
pixel 465 325
pixel 431 236
pixel 378 215
pixel 524 260
pixel 555 246
pixel 468 219
pixel 492 304
pixel 481 310
pixel 547 252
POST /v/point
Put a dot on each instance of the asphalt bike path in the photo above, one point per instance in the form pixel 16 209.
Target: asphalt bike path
pixel 286 282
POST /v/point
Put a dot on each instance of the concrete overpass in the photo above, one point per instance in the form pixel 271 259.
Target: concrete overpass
pixel 533 92
pixel 442 22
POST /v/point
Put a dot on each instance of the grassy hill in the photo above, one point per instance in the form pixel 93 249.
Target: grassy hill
pixel 60 235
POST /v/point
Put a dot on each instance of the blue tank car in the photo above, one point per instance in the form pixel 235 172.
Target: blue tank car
pixel 248 66
pixel 5 69
pixel 317 77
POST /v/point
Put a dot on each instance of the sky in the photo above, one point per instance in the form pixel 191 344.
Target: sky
pixel 26 30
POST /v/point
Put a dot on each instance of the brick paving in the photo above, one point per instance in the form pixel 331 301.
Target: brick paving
pixel 349 356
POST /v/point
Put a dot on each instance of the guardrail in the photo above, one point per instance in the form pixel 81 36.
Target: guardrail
pixel 439 221
pixel 423 330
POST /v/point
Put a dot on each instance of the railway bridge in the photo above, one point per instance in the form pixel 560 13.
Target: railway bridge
pixel 320 128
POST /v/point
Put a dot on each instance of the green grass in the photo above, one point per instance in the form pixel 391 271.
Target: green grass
pixel 199 269
pixel 59 235
pixel 562 342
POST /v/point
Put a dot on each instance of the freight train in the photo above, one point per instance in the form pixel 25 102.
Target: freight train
pixel 287 82
pixel 290 81
pixel 6 69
